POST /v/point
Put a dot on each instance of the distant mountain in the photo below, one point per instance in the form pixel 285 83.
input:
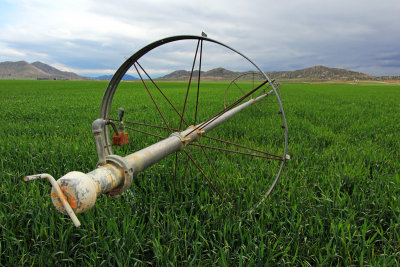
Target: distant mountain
pixel 388 78
pixel 35 71
pixel 316 73
pixel 108 77
pixel 321 73
pixel 20 69
pixel 41 71
pixel 213 74
pixel 57 73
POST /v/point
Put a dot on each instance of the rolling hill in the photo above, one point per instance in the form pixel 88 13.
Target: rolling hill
pixel 22 70
pixel 321 73
pixel 213 74
pixel 316 73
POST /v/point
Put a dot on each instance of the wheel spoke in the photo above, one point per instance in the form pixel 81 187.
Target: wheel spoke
pixel 198 82
pixel 229 107
pixel 151 96
pixel 213 167
pixel 190 80
pixel 219 114
pixel 205 176
pixel 241 146
pixel 142 124
pixel 166 98
pixel 144 132
pixel 245 93
pixel 240 88
pixel 236 152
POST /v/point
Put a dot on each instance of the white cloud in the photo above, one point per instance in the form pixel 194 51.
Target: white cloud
pixel 7 52
pixel 62 67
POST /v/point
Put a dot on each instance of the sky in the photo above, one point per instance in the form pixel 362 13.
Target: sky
pixel 94 37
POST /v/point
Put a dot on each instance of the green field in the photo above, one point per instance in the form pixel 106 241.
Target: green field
pixel 337 202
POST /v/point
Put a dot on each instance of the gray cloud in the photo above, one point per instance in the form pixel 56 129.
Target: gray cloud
pixel 90 35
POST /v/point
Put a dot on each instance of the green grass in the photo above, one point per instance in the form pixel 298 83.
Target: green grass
pixel 337 202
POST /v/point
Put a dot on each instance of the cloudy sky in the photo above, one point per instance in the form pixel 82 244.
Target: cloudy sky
pixel 94 37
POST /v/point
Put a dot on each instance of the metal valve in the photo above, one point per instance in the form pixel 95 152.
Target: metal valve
pixel 120 137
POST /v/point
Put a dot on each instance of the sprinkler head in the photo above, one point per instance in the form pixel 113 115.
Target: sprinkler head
pixel 79 190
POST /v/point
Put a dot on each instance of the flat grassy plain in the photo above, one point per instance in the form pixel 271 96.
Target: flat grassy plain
pixel 337 202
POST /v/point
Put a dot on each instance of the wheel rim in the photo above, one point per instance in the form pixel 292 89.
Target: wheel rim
pixel 133 61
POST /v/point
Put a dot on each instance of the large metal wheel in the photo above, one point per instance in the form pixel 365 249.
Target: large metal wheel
pixel 242 159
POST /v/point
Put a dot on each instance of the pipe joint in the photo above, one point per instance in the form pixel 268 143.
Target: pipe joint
pixel 98 125
pixel 184 140
pixel 199 132
pixel 120 162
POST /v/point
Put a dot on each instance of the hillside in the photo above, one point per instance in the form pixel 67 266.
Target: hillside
pixel 316 73
pixel 34 71
pixel 213 74
pixel 41 71
pixel 321 73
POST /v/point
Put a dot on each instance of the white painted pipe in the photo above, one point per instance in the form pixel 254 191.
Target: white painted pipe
pixel 115 174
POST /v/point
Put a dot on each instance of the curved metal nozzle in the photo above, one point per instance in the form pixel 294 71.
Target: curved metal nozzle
pixel 60 194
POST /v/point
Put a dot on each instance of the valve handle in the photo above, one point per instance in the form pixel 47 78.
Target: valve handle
pixel 59 194
pixel 121 113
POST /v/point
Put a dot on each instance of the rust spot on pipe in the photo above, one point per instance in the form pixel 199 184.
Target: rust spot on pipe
pixel 59 204
pixel 73 203
pixel 63 189
pixel 71 200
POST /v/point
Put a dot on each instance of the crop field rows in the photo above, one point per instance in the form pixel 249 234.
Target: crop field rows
pixel 337 201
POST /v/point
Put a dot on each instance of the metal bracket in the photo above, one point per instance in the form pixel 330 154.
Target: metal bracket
pixel 128 174
pixel 186 139
pixel 183 140
pixel 199 132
